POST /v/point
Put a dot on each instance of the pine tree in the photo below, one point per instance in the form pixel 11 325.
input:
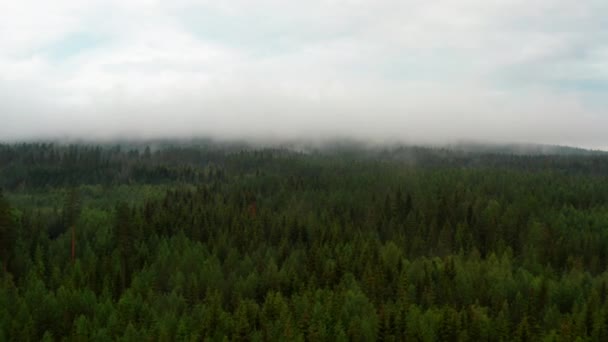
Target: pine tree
pixel 7 232
pixel 71 211
pixel 123 231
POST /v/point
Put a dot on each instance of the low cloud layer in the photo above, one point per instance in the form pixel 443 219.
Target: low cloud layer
pixel 414 71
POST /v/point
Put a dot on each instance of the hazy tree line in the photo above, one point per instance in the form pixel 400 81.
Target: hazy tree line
pixel 226 244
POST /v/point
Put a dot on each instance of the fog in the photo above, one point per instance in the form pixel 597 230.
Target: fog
pixel 381 71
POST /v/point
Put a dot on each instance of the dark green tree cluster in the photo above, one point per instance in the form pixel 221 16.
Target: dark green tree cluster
pixel 278 245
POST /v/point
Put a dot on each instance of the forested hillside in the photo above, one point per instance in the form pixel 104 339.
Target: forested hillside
pixel 211 242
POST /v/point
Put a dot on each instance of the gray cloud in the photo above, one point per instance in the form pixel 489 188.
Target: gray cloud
pixel 421 71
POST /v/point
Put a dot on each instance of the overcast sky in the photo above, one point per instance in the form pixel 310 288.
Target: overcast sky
pixel 411 70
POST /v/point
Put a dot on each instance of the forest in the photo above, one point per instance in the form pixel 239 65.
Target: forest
pixel 208 241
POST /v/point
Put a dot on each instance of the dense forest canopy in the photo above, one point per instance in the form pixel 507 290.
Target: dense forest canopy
pixel 210 241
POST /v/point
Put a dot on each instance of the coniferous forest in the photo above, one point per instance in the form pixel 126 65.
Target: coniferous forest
pixel 222 242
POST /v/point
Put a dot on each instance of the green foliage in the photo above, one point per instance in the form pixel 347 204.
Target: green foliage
pixel 216 243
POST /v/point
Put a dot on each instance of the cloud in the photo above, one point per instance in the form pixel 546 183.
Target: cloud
pixel 430 71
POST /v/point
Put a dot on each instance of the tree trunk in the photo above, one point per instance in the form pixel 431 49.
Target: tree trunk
pixel 73 244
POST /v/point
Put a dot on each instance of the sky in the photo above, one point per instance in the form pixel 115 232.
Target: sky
pixel 533 71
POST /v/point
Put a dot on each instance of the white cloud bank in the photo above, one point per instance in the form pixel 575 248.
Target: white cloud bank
pixel 423 71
